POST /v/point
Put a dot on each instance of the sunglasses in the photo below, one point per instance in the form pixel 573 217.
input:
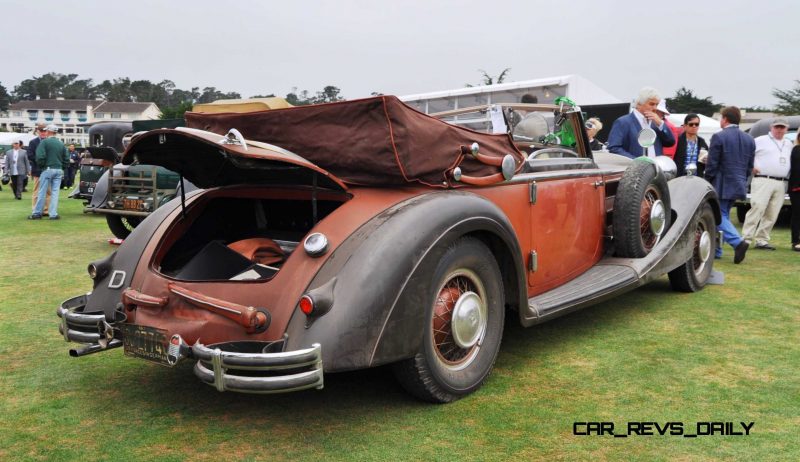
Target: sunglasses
pixel 693 124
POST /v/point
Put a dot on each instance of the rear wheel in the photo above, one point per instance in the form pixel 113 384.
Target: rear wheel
pixel 693 275
pixel 642 210
pixel 463 327
pixel 122 225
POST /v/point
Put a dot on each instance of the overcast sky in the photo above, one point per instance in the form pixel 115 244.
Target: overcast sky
pixel 735 51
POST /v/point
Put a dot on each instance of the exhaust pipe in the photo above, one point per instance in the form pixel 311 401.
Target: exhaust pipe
pixel 94 348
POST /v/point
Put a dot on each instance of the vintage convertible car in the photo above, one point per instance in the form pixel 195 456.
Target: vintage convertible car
pixel 349 235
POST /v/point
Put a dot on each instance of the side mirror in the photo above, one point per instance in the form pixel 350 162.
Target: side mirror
pixel 646 138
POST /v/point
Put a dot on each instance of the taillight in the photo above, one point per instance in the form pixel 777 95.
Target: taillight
pixel 306 305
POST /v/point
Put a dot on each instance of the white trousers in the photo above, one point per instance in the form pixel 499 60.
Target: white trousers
pixel 766 200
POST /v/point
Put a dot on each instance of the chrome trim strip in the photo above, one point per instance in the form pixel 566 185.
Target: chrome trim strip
pixel 558 175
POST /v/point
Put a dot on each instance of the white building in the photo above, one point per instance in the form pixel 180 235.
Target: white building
pixel 72 116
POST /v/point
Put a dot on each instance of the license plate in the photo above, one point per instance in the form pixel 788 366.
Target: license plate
pixel 146 343
pixel 131 204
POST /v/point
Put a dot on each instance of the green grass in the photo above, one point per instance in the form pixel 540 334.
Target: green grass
pixel 728 353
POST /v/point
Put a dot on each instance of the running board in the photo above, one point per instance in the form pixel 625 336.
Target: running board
pixel 595 285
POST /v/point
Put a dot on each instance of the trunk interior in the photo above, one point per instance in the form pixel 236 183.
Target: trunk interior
pixel 247 237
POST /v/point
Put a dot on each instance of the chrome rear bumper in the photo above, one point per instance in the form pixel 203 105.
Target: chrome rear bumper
pixel 259 372
pixel 81 327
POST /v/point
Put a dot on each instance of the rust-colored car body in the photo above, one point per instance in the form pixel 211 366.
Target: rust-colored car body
pixel 460 215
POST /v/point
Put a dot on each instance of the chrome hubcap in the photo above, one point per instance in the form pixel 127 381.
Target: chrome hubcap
pixel 657 218
pixel 469 320
pixel 704 246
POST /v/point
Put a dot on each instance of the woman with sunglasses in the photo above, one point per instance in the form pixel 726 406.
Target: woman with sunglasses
pixel 687 150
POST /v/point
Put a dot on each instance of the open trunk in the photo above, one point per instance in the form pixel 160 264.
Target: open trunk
pixel 243 234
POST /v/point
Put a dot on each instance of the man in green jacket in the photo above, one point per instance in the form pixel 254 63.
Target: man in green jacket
pixel 52 158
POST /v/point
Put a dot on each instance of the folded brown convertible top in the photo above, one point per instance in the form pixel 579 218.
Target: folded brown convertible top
pixel 371 141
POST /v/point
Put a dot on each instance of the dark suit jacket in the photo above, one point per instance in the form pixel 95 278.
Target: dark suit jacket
pixel 680 154
pixel 31 150
pixel 623 138
pixel 730 161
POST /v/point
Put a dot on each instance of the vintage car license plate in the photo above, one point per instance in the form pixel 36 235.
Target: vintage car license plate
pixel 146 343
pixel 131 204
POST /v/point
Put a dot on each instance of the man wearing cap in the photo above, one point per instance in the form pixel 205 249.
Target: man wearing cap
pixel 770 172
pixel 730 159
pixel 35 171
pixel 624 135
pixel 17 167
pixel 662 112
pixel 51 155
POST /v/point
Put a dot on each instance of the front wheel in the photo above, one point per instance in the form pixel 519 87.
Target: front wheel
pixel 693 275
pixel 122 225
pixel 463 326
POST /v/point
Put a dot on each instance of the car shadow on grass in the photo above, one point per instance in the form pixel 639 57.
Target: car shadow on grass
pixel 163 390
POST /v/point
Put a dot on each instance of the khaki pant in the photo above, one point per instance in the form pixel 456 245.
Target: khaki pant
pixel 36 194
pixel 766 200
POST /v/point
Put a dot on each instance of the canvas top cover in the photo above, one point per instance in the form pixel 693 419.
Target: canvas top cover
pixel 373 141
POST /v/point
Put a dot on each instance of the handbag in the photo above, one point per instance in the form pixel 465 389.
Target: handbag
pixel 6 179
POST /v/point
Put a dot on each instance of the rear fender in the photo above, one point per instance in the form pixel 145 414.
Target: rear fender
pixel 382 276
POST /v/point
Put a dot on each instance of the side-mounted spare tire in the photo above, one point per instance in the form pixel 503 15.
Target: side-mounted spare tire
pixel 642 212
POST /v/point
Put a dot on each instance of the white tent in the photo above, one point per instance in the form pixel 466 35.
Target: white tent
pixel 8 138
pixel 708 126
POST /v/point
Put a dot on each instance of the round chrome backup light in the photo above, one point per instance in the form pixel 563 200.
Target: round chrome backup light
pixel 316 244
pixel 92 270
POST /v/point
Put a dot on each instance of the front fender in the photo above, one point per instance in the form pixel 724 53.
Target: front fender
pixel 687 195
pixel 383 273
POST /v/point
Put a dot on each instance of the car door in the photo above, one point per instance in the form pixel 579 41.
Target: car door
pixel 567 228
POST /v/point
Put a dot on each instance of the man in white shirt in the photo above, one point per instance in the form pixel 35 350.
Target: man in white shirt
pixel 767 190
pixel 17 167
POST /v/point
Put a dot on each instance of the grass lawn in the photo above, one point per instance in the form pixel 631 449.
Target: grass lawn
pixel 730 353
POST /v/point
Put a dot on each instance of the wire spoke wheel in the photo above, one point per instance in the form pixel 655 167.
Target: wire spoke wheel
pixel 459 311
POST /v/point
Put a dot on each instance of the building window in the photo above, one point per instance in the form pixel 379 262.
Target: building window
pixel 64 116
pixel 81 116
pixel 17 113
pixel 116 115
pixel 48 116
pixel 33 115
pixel 99 115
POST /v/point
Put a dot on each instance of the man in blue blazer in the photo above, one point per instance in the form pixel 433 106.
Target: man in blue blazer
pixel 730 161
pixel 623 138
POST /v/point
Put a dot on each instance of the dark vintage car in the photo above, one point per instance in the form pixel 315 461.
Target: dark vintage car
pixel 125 194
pixel 350 235
pixel 105 146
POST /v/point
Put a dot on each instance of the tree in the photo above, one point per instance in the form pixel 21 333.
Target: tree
pixel 211 94
pixel 176 112
pixel 298 99
pixel 685 101
pixel 329 94
pixel 789 100
pixel 5 100
pixel 489 80
pixel 78 89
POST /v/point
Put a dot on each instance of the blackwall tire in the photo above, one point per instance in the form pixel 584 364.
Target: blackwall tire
pixel 121 226
pixel 463 325
pixel 641 190
pixel 693 275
